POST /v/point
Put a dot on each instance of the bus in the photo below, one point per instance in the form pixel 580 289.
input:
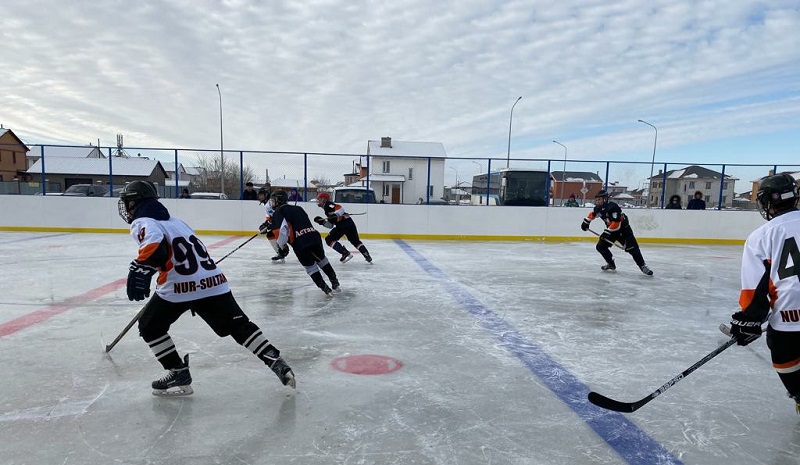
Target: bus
pixel 353 195
pixel 512 187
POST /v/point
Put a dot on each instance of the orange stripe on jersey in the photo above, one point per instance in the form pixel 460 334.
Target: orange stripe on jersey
pixel 591 216
pixel 146 251
pixel 614 225
pixel 788 367
pixel 746 297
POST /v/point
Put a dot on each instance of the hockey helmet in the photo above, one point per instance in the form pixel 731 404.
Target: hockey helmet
pixel 133 193
pixel 602 193
pixel 777 194
pixel 265 192
pixel 279 198
pixel 323 197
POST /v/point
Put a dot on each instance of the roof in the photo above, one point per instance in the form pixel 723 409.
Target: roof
pixel 97 166
pixel 407 149
pixel 692 172
pixel 88 151
pixel 575 176
pixel 4 131
pixel 287 183
pixel 170 167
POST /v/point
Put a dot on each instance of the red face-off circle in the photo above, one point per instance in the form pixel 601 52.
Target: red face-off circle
pixel 366 364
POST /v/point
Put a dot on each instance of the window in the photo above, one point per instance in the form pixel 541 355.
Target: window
pixel 430 191
pixel 410 174
pixel 708 185
pixel 386 191
pixel 691 184
pixel 386 167
pixel 724 199
pixel 14 158
pixel 725 186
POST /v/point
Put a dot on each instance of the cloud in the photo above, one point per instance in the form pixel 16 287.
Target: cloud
pixel 326 76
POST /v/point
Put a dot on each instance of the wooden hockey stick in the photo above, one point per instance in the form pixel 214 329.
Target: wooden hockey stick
pixel 628 407
pixel 139 315
pixel 601 237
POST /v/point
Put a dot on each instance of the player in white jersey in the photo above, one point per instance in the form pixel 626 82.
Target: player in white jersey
pixel 268 227
pixel 771 281
pixel 188 279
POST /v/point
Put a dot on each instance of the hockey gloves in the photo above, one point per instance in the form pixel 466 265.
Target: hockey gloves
pixel 319 220
pixel 324 222
pixel 606 236
pixel 139 276
pixel 263 228
pixel 585 224
pixel 745 331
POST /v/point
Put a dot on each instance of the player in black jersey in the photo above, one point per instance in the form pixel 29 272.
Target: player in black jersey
pixel 295 228
pixel 617 229
pixel 341 225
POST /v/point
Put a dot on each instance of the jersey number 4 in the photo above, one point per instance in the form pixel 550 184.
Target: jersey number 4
pixel 190 255
pixel 789 249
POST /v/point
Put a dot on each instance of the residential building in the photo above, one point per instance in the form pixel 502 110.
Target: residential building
pixel 12 156
pixel 583 184
pixel 684 182
pixel 63 172
pixel 398 170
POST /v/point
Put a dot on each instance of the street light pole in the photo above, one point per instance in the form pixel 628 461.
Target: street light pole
pixel 457 194
pixel 652 164
pixel 221 148
pixel 563 173
pixel 508 155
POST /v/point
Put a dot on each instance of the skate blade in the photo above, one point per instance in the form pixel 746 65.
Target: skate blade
pixel 347 259
pixel 290 381
pixel 176 391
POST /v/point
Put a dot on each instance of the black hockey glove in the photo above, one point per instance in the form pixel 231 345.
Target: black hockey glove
pixel 606 236
pixel 319 220
pixel 263 228
pixel 139 277
pixel 585 224
pixel 745 331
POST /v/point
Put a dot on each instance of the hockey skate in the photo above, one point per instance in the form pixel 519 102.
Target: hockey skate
pixel 346 258
pixel 281 369
pixel 327 290
pixel 176 383
pixel 610 266
pixel 646 270
pixel 278 259
pixel 367 257
pixel 335 287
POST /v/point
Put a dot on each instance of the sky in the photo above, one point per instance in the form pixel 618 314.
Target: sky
pixel 719 80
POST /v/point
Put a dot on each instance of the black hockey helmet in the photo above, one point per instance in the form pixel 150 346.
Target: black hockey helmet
pixel 602 193
pixel 132 194
pixel 279 198
pixel 777 194
pixel 265 192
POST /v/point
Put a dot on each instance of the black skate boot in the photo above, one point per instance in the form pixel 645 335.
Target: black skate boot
pixel 335 287
pixel 278 366
pixel 367 257
pixel 346 257
pixel 278 259
pixel 178 382
pixel 610 266
pixel 646 270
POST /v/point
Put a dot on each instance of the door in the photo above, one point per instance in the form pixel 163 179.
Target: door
pixel 395 193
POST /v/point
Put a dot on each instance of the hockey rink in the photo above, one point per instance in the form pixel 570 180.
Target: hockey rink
pixel 451 353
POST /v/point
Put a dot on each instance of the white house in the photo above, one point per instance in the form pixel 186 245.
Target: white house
pixel 398 170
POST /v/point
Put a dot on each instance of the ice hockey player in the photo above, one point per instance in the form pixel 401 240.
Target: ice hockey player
pixel 295 228
pixel 771 281
pixel 188 279
pixel 340 224
pixel 617 229
pixel 267 228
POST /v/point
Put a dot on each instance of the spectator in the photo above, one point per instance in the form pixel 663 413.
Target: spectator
pixel 249 193
pixel 185 194
pixel 571 202
pixel 674 203
pixel 294 195
pixel 697 203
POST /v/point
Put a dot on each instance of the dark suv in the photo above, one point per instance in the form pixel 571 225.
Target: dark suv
pixel 86 190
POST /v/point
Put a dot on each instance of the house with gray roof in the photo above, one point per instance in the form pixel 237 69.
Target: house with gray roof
pixel 398 170
pixel 67 171
pixel 684 182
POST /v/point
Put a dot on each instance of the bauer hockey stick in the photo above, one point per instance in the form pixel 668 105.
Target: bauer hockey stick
pixel 139 315
pixel 628 407
pixel 601 237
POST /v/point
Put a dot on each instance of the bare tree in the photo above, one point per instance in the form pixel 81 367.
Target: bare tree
pixel 210 164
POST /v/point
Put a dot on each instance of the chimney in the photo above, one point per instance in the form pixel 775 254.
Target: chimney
pixel 386 142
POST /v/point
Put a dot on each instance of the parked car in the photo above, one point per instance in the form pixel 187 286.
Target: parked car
pixel 208 195
pixel 86 190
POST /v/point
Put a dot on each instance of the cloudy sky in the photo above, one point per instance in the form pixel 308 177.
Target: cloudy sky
pixel 719 79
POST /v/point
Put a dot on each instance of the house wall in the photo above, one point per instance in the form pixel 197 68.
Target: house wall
pixel 414 188
pixel 10 150
pixel 88 214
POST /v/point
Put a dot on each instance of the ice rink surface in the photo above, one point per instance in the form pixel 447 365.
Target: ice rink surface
pixel 453 353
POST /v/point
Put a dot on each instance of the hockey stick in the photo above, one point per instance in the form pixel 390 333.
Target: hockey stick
pixel 601 236
pixel 139 315
pixel 627 407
